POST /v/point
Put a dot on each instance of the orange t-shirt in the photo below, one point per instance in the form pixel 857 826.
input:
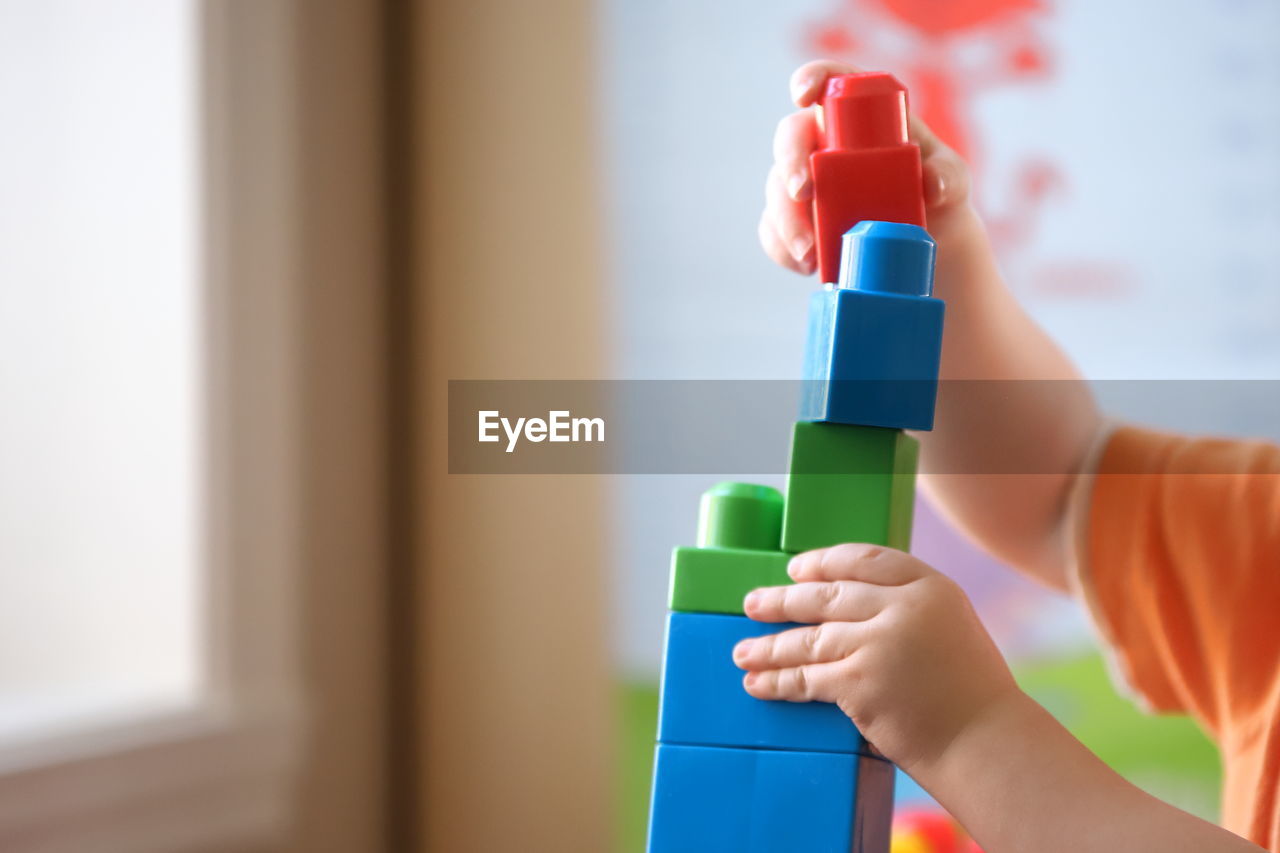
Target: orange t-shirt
pixel 1181 567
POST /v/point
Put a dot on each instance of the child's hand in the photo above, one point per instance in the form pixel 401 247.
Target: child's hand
pixel 897 646
pixel 786 228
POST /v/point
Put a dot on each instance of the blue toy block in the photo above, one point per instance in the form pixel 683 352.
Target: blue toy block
pixel 875 342
pixel 703 701
pixel 708 799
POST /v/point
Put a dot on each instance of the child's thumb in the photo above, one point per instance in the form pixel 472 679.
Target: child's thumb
pixel 946 180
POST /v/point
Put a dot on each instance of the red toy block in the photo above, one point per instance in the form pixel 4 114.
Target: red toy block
pixel 867 168
pixel 928 831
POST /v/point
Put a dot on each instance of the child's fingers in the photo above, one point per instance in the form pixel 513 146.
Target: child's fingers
pixel 813 644
pixel 833 601
pixel 813 682
pixel 946 176
pixel 921 134
pixel 778 251
pixel 809 81
pixel 873 564
pixel 793 142
pixel 791 219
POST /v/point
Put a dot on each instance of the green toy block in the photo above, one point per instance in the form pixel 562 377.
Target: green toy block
pixel 740 515
pixel 849 484
pixel 714 580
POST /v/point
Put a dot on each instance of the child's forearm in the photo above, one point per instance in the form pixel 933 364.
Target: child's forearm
pixel 1018 781
pixel 1014 421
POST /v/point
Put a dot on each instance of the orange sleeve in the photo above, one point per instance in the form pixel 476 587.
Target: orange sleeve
pixel 1181 567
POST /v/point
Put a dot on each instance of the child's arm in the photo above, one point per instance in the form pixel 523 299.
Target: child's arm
pixel 900 650
pixel 1015 424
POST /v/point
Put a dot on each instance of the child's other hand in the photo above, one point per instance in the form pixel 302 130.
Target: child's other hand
pixel 897 647
pixel 786 227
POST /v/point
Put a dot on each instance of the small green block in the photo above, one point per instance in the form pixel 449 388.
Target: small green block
pixel 714 580
pixel 849 484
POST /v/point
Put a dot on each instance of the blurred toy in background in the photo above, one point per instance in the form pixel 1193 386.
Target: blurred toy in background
pixel 929 831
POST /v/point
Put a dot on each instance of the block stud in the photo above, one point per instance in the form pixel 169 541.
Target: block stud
pixel 864 111
pixel 888 257
pixel 740 515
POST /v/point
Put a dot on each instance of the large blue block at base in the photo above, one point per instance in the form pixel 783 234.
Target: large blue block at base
pixel 723 800
pixel 703 701
pixel 874 343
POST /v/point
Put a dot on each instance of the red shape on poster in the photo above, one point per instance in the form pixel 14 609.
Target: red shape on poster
pixel 950 52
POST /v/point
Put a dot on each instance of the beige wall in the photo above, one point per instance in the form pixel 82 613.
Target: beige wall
pixel 506 260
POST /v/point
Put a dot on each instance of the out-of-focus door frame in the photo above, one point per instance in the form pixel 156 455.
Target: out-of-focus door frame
pixel 298 219
pixel 339 210
pixel 298 210
pixel 453 630
pixel 454 641
pixel 511 681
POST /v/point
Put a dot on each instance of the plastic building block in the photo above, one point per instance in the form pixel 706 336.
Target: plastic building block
pixel 716 800
pixel 888 257
pixel 740 515
pixel 866 168
pixel 703 702
pixel 739 536
pixel 849 484
pixel 930 831
pixel 710 799
pixel 874 343
pixel 715 580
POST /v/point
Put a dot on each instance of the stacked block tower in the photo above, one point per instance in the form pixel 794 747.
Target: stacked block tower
pixel 734 773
